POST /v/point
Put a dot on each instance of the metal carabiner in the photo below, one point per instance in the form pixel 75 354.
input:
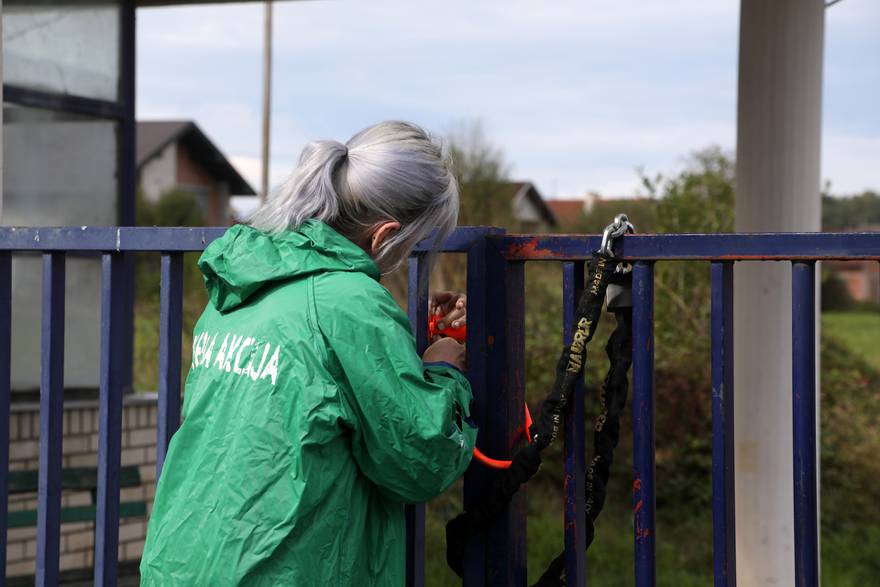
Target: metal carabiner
pixel 616 229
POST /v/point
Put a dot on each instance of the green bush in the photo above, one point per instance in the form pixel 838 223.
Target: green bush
pixel 175 208
pixel 835 295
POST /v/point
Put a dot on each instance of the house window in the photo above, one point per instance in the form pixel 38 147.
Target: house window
pixel 63 47
pixel 68 146
pixel 60 168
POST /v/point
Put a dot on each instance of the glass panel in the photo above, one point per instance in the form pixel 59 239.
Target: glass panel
pixel 63 46
pixel 82 320
pixel 59 169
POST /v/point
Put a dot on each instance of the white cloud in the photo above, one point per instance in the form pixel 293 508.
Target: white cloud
pixel 243 206
pixel 220 28
pixel 577 94
pixel 855 15
pixel 251 169
pixel 851 163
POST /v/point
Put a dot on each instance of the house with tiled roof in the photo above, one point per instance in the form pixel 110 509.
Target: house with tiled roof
pixel 591 213
pixel 175 155
pixel 530 208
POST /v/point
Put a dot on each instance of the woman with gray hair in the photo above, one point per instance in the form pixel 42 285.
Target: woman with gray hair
pixel 309 419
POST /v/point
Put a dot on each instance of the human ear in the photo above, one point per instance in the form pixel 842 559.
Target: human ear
pixel 382 232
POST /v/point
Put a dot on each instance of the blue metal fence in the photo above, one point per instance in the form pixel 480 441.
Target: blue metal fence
pixel 496 349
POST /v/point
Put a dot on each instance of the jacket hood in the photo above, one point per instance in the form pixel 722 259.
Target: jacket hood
pixel 245 259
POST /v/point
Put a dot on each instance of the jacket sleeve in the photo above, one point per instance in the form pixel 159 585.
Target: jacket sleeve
pixel 411 434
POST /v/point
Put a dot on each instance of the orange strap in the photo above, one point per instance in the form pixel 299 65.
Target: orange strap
pixel 498 463
pixel 460 334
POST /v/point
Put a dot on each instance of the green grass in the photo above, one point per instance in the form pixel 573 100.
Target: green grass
pixel 850 439
pixel 859 330
pixel 684 546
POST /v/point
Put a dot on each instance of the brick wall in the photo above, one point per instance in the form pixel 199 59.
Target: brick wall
pixel 862 278
pixel 80 449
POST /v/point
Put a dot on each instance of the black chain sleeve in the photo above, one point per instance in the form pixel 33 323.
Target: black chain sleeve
pixel 526 461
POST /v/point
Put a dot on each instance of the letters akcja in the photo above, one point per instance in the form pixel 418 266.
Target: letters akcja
pixel 262 361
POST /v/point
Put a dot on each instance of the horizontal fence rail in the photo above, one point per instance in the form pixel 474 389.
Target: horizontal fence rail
pixel 513 247
pixel 496 359
pixel 699 247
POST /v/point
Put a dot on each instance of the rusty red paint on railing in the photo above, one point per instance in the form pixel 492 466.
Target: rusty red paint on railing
pixel 697 247
pixel 529 249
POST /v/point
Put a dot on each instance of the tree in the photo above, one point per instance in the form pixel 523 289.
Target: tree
pixel 835 295
pixel 861 210
pixel 699 199
pixel 642 212
pixel 483 177
pixel 174 208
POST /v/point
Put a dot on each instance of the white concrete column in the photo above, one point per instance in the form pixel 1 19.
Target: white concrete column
pixel 778 189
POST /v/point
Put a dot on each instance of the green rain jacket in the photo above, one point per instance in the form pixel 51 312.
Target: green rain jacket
pixel 308 421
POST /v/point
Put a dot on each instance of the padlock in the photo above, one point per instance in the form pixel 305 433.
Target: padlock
pixel 618 295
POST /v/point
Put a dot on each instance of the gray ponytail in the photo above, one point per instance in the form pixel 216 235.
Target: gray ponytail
pixel 390 171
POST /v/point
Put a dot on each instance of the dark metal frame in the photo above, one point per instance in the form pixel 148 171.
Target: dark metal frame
pixel 496 310
pixel 79 105
pixel 5 393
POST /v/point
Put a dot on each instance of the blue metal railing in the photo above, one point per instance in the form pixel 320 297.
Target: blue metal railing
pixel 496 310
pixel 724 535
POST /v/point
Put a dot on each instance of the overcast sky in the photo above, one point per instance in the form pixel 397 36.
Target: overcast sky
pixel 577 94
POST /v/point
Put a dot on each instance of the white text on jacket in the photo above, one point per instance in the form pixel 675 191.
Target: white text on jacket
pixel 261 363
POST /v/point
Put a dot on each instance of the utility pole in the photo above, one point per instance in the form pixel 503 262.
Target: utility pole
pixel 267 97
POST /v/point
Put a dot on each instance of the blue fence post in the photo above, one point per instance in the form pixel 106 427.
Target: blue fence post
pixel 113 376
pixel 501 431
pixel 476 479
pixel 51 418
pixel 723 520
pixel 417 308
pixel 574 440
pixel 170 330
pixel 806 523
pixel 643 423
pixel 5 395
